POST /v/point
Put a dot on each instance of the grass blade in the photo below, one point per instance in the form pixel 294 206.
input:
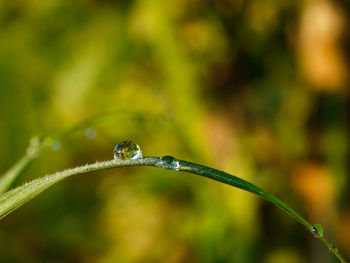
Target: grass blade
pixel 15 198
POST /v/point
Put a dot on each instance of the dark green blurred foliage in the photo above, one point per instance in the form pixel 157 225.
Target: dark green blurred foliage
pixel 255 88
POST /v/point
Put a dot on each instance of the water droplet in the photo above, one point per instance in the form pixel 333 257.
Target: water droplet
pixel 334 248
pixel 127 150
pixel 90 133
pixel 169 162
pixel 317 230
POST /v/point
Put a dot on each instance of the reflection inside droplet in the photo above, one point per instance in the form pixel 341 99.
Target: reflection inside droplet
pixel 127 150
pixel 317 230
pixel 169 162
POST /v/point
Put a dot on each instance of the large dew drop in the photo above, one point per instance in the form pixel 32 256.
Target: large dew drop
pixel 317 230
pixel 169 162
pixel 127 150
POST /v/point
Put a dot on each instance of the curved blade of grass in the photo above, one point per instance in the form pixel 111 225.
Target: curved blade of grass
pixel 15 198
pixel 9 177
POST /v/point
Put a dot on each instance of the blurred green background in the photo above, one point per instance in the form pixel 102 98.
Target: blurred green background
pixel 257 88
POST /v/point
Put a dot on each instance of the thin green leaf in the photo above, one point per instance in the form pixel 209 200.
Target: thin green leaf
pixel 15 198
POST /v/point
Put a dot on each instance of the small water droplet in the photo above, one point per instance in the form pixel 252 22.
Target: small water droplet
pixel 90 133
pixel 317 230
pixel 127 150
pixel 169 162
pixel 334 248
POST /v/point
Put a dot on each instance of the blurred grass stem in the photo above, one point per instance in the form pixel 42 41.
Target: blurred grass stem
pixel 10 176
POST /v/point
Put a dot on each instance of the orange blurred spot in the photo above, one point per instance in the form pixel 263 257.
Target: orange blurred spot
pixel 315 185
pixel 321 57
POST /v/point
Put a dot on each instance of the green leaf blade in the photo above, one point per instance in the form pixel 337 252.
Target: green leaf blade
pixel 15 198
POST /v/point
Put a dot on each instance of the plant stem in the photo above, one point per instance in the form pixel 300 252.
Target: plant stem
pixel 41 144
pixel 11 175
pixel 13 199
